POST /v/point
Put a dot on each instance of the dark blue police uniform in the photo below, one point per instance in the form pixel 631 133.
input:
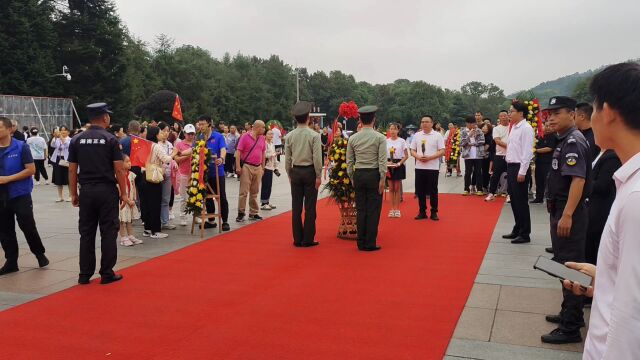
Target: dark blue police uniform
pixel 95 150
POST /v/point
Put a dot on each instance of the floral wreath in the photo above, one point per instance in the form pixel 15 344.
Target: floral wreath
pixel 452 151
pixel 197 190
pixel 339 185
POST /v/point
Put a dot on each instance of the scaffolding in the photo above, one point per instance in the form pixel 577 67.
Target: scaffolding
pixel 44 113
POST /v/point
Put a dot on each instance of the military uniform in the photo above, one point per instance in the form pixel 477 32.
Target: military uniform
pixel 303 163
pixel 94 151
pixel 366 166
pixel 571 158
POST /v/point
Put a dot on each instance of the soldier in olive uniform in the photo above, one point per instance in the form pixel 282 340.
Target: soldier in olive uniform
pixel 303 163
pixel 567 188
pixel 367 166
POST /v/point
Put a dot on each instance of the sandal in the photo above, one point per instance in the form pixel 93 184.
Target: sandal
pixel 124 241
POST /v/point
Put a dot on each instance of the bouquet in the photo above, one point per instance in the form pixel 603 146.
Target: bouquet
pixel 339 185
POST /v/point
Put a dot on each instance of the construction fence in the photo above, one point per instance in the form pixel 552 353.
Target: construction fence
pixel 45 113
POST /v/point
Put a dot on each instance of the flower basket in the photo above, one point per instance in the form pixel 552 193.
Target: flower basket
pixel 348 229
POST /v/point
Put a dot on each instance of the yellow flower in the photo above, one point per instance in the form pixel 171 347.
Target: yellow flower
pixel 194 191
pixel 192 199
pixel 340 173
pixel 346 181
pixel 336 157
pixel 201 187
pixel 199 197
pixel 199 204
pixel 344 158
pixel 344 165
pixel 201 143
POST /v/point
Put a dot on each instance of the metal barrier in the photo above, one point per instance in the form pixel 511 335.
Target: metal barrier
pixel 45 113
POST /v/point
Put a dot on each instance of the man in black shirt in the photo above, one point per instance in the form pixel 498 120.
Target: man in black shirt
pixel 97 154
pixel 544 153
pixel 16 169
pixel 583 123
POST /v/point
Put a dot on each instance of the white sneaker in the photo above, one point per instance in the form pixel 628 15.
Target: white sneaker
pixel 46 182
pixel 169 227
pixel 392 213
pixel 183 222
pixel 265 207
pixel 125 241
pixel 398 213
pixel 159 235
pixel 37 182
pixel 490 197
pixel 508 198
pixel 135 240
pixel 171 216
pixel 146 233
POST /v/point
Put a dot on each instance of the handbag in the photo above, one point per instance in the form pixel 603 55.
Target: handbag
pixel 62 162
pixel 154 173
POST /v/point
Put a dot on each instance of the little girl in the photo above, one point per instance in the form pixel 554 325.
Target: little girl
pixel 397 154
pixel 128 210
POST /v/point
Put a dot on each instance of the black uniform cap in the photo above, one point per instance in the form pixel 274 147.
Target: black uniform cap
pixel 301 108
pixel 560 102
pixel 97 109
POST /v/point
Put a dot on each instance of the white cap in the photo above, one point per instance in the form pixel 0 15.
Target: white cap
pixel 189 129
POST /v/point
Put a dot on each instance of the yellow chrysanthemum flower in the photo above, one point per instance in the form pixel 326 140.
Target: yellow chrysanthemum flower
pixel 344 166
pixel 194 191
pixel 346 181
pixel 199 204
pixel 199 197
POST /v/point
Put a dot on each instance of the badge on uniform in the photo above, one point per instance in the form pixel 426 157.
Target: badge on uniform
pixel 572 159
pixel 554 164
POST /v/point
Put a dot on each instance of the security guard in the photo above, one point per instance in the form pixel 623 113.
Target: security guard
pixel 567 188
pixel 303 163
pixel 97 154
pixel 367 166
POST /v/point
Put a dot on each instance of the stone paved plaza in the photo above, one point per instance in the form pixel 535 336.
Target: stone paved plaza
pixel 503 318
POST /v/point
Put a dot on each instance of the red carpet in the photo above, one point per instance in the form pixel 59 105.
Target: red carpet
pixel 250 294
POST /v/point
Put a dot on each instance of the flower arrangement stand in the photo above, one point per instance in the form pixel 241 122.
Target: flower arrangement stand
pixel 348 228
pixel 204 216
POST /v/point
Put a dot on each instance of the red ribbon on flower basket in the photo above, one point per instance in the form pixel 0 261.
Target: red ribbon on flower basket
pixel 539 118
pixel 449 147
pixel 201 153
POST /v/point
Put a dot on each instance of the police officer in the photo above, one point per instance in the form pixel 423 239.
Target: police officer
pixel 97 154
pixel 567 187
pixel 16 169
pixel 367 166
pixel 303 163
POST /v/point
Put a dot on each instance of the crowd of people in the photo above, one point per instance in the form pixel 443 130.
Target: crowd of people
pixel 587 177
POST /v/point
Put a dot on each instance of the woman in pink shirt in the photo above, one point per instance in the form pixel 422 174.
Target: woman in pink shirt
pixel 184 168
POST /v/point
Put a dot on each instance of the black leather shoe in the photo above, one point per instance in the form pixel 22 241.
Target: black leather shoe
pixel 208 225
pixel 9 267
pixel 373 248
pixel 110 279
pixel 420 216
pixel 83 280
pixel 520 240
pixel 434 216
pixel 558 336
pixel 297 244
pixel 226 227
pixel 510 236
pixel 313 243
pixel 549 250
pixel 555 319
pixel 42 260
pixel 536 201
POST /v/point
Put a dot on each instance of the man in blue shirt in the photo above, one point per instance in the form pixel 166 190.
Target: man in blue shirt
pixel 16 169
pixel 218 147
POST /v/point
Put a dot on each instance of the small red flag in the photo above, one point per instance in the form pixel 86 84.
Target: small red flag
pixel 177 110
pixel 140 151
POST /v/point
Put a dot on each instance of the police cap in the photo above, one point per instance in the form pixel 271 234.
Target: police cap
pixel 369 109
pixel 97 109
pixel 560 102
pixel 301 108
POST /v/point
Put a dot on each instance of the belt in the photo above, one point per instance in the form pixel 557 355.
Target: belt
pixel 302 166
pixel 513 164
pixel 500 156
pixel 254 165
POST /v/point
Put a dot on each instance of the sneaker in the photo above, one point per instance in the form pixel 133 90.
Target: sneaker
pixel 171 216
pixel 240 217
pixel 183 222
pixel 479 193
pixel 272 206
pixel 46 182
pixel 472 188
pixel 37 182
pixel 159 235
pixel 398 213
pixel 255 217
pixel 135 240
pixel 392 213
pixel 265 207
pixel 508 199
pixel 235 175
pixel 169 227
pixel 465 193
pixel 490 197
pixel 124 241
pixel 146 233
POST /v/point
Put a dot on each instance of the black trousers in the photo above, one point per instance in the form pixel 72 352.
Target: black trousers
pixel 267 183
pixel 20 209
pixel 486 164
pixel 98 207
pixel 40 170
pixel 368 204
pixel 427 184
pixel 472 167
pixel 303 194
pixel 230 164
pixel 570 248
pixel 151 197
pixel 542 171
pixel 139 180
pixel 499 168
pixel 224 204
pixel 519 194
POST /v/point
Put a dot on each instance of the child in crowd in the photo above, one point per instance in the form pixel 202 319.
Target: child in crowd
pixel 397 155
pixel 128 209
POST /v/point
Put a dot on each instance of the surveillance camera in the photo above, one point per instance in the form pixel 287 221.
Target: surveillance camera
pixel 68 76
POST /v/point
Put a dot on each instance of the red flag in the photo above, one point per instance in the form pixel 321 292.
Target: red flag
pixel 140 151
pixel 177 110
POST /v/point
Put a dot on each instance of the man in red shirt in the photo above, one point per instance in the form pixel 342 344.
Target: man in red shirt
pixel 250 156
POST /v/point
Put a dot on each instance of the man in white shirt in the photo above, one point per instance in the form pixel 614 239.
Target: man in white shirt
pixel 614 328
pixel 427 146
pixel 518 157
pixel 277 141
pixel 472 143
pixel 500 136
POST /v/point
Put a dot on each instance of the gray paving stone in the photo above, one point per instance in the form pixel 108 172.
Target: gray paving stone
pixel 9 298
pixel 517 281
pixel 532 300
pixel 484 296
pixel 475 324
pixel 472 349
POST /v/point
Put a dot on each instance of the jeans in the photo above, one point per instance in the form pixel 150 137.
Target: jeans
pixel 183 184
pixel 165 201
pixel 267 182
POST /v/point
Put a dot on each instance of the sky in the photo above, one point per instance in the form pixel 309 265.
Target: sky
pixel 512 43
